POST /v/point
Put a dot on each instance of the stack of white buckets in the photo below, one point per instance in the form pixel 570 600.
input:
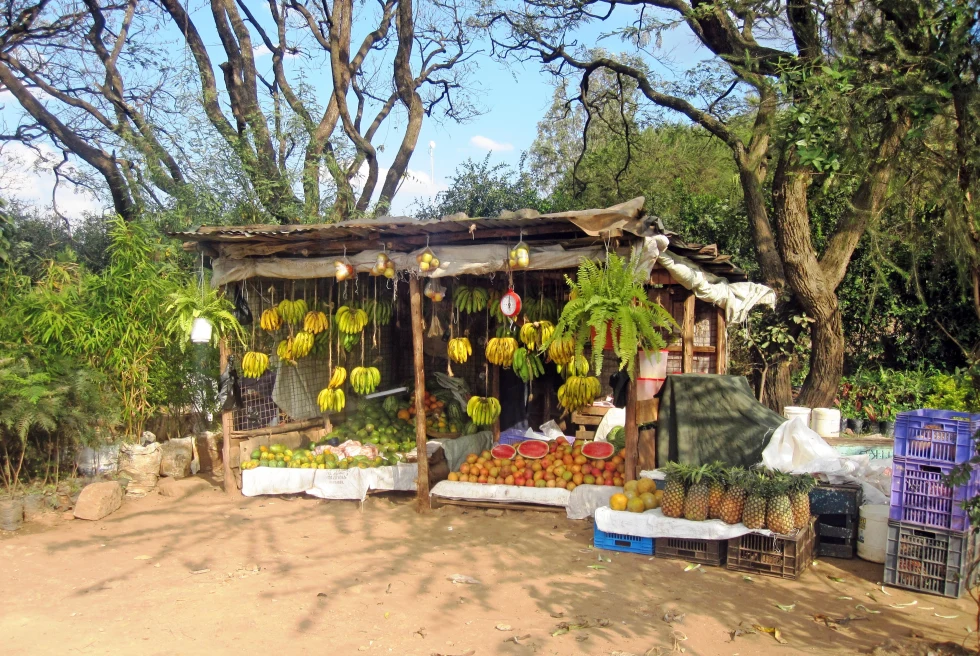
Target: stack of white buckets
pixel 873 521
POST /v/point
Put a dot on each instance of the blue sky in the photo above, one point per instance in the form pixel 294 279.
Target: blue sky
pixel 514 98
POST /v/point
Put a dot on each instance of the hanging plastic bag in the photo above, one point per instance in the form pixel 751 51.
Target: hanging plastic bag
pixel 229 388
pixel 435 291
pixel 427 260
pixel 519 256
pixel 620 382
pixel 242 312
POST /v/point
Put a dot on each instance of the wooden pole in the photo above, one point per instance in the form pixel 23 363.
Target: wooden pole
pixel 721 348
pixel 632 433
pixel 495 392
pixel 687 335
pixel 227 424
pixel 422 483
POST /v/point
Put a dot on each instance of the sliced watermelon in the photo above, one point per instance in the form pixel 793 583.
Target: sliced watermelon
pixel 533 449
pixel 598 450
pixel 503 451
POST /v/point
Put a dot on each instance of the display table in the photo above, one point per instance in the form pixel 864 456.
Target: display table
pixel 502 494
pixel 653 524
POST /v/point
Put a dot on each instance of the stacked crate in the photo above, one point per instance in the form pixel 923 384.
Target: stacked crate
pixel 837 508
pixel 930 545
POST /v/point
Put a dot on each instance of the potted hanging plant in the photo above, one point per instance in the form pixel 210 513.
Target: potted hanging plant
pixel 609 300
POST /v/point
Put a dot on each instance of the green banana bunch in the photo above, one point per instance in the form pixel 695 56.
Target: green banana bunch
pixel 543 309
pixel 364 380
pixel 321 343
pixel 460 349
pixel 351 320
pixel 302 344
pixel 292 311
pixel 493 305
pixel 562 351
pixel 337 378
pixel 383 308
pixel 483 410
pixel 315 322
pixel 578 392
pixel 254 364
pixel 500 351
pixel 470 299
pixel 331 400
pixel 527 365
pixel 270 320
pixel 350 340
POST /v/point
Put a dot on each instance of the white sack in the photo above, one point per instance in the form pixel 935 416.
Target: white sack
pixel 268 480
pixel 615 417
pixel 546 496
pixel 795 448
pixel 653 524
pixel 584 500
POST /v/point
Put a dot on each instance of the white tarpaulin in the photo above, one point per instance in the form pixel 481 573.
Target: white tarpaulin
pixel 268 480
pixel 329 483
pixel 584 500
pixel 653 524
pixel 545 496
pixel 737 298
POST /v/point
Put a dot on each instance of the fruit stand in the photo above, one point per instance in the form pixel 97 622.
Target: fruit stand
pixel 379 336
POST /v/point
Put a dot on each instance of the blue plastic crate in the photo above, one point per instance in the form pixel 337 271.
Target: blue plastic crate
pixel 921 496
pixel 624 543
pixel 936 436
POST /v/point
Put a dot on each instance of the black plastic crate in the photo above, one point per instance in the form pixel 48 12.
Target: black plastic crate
pixel 836 536
pixel 930 560
pixel 785 556
pixel 706 552
pixel 843 499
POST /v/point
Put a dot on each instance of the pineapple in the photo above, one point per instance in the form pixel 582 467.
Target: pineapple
pixel 754 511
pixel 733 502
pixel 696 504
pixel 799 497
pixel 716 492
pixel 779 510
pixel 673 501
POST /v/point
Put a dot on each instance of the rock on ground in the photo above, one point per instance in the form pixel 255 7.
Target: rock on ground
pixel 184 487
pixel 98 500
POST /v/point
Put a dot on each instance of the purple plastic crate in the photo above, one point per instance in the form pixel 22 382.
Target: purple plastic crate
pixel 936 436
pixel 919 496
pixel 512 437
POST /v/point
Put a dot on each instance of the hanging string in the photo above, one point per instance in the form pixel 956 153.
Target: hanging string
pixel 375 312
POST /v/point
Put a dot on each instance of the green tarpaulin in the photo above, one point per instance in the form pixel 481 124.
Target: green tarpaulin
pixel 705 417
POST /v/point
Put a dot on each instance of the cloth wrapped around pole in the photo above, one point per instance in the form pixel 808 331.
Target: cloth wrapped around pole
pixel 708 417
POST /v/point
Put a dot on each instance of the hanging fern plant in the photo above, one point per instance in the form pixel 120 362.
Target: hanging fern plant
pixel 611 299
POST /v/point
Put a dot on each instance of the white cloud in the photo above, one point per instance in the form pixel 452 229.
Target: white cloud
pixel 262 50
pixel 416 184
pixel 28 177
pixel 486 143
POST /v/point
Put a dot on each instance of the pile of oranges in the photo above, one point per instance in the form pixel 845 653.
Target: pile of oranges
pixel 430 403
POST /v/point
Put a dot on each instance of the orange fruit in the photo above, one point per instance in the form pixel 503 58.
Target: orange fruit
pixel 618 502
pixel 636 505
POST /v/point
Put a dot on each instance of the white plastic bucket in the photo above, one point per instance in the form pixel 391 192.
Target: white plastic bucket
pixel 794 411
pixel 825 422
pixel 873 533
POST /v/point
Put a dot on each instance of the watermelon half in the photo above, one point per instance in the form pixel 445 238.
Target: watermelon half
pixel 598 450
pixel 503 451
pixel 533 449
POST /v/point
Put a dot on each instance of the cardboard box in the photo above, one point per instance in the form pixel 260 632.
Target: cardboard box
pixel 646 456
pixel 647 411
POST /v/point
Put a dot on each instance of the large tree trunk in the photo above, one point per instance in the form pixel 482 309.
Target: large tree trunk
pixel 777 386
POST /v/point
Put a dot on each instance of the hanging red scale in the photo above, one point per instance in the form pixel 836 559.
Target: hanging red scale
pixel 510 304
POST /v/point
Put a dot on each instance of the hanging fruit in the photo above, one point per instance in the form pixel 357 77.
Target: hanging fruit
pixel 254 364
pixel 435 291
pixel 578 392
pixel 315 322
pixel 302 344
pixel 519 256
pixel 270 320
pixel 365 380
pixel 535 334
pixel 343 270
pixel 483 410
pixel 331 400
pixel 292 311
pixel 337 378
pixel 460 349
pixel 500 351
pixel 427 260
pixel 470 299
pixel 285 350
pixel 383 266
pixel 351 320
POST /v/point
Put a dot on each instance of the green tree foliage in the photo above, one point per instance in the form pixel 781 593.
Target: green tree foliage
pixel 484 189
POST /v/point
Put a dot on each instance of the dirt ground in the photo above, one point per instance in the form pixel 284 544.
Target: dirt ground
pixel 212 574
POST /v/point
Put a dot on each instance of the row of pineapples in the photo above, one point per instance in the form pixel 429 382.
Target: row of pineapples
pixel 758 498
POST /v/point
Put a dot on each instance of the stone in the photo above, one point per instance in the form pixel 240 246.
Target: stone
pixel 98 500
pixel 177 456
pixel 183 487
pixel 495 512
pixel 147 438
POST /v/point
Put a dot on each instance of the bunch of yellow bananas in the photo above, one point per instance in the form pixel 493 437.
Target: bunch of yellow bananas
pixel 460 349
pixel 578 392
pixel 285 350
pixel 254 364
pixel 579 366
pixel 562 351
pixel 535 334
pixel 292 311
pixel 337 378
pixel 302 344
pixel 364 380
pixel 270 320
pixel 470 299
pixel 315 322
pixel 527 365
pixel 500 350
pixel 483 410
pixel 331 400
pixel 350 320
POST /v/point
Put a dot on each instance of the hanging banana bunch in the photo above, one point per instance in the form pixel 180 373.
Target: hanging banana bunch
pixel 535 334
pixel 315 322
pixel 321 343
pixel 254 364
pixel 493 305
pixel 292 311
pixel 364 380
pixel 285 351
pixel 483 410
pixel 351 320
pixel 500 351
pixel 350 340
pixel 337 378
pixel 270 320
pixel 302 344
pixel 470 299
pixel 578 392
pixel 460 349
pixel 579 366
pixel 527 365
pixel 331 400
pixel 562 351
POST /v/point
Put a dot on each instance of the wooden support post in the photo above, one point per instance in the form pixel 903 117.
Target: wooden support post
pixel 227 424
pixel 422 483
pixel 495 393
pixel 721 348
pixel 687 335
pixel 632 433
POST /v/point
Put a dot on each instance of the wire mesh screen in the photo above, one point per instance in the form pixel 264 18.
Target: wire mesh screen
pixel 287 391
